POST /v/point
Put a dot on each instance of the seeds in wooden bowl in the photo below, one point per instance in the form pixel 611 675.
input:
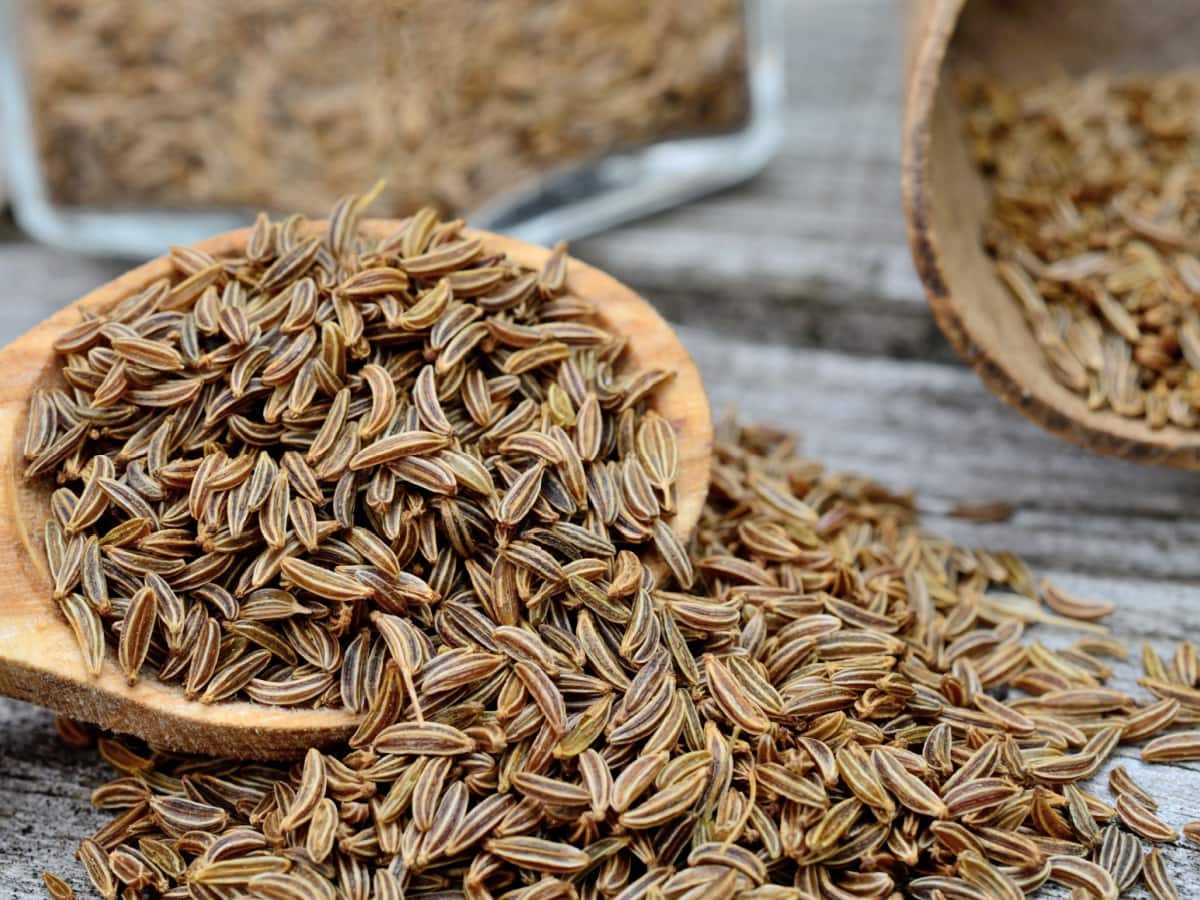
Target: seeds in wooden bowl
pixel 284 473
pixel 839 705
pixel 1095 194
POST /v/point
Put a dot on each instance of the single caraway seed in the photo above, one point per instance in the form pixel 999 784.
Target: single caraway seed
pixel 1158 880
pixel 1182 746
pixel 1191 831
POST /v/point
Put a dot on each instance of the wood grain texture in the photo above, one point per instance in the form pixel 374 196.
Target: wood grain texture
pixel 813 254
pixel 39 659
pixel 820 234
pixel 947 202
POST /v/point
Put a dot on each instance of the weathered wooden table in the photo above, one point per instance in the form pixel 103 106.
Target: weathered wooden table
pixel 798 299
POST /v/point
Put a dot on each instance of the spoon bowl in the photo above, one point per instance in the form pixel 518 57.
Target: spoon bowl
pixel 946 200
pixel 40 661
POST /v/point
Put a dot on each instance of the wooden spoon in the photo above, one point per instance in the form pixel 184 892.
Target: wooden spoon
pixel 39 658
pixel 946 200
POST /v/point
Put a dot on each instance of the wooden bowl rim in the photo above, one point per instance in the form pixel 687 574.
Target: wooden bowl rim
pixel 158 711
pixel 1104 433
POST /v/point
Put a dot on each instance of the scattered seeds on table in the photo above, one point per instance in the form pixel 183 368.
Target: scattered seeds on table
pixel 808 698
pixel 830 716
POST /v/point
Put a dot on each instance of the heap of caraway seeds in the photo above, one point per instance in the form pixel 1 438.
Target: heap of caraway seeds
pixel 408 479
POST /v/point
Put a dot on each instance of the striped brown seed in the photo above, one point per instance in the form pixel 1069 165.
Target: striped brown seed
pixel 56 887
pixel 1121 782
pixel 1150 720
pixel 138 630
pixel 429 738
pixel 1074 872
pixel 538 854
pixel 1066 604
pixel 1180 746
pixel 1120 853
pixel 1158 880
pixel 734 702
pixel 1137 818
pixel 906 787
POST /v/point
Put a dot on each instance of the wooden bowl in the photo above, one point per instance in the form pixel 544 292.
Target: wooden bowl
pixel 39 659
pixel 946 200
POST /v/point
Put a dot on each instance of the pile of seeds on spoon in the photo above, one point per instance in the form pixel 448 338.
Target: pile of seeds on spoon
pixel 1096 202
pixel 280 471
pixel 804 703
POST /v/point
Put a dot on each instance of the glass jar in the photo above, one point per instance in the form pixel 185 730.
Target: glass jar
pixel 130 125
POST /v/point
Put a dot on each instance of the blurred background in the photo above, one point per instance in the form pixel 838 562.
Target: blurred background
pixel 288 106
pixel 130 122
pixel 127 125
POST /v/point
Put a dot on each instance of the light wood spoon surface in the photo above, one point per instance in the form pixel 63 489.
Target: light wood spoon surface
pixel 39 659
pixel 946 200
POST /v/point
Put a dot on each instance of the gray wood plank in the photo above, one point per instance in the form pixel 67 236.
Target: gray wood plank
pixel 36 281
pixel 44 809
pixel 814 251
